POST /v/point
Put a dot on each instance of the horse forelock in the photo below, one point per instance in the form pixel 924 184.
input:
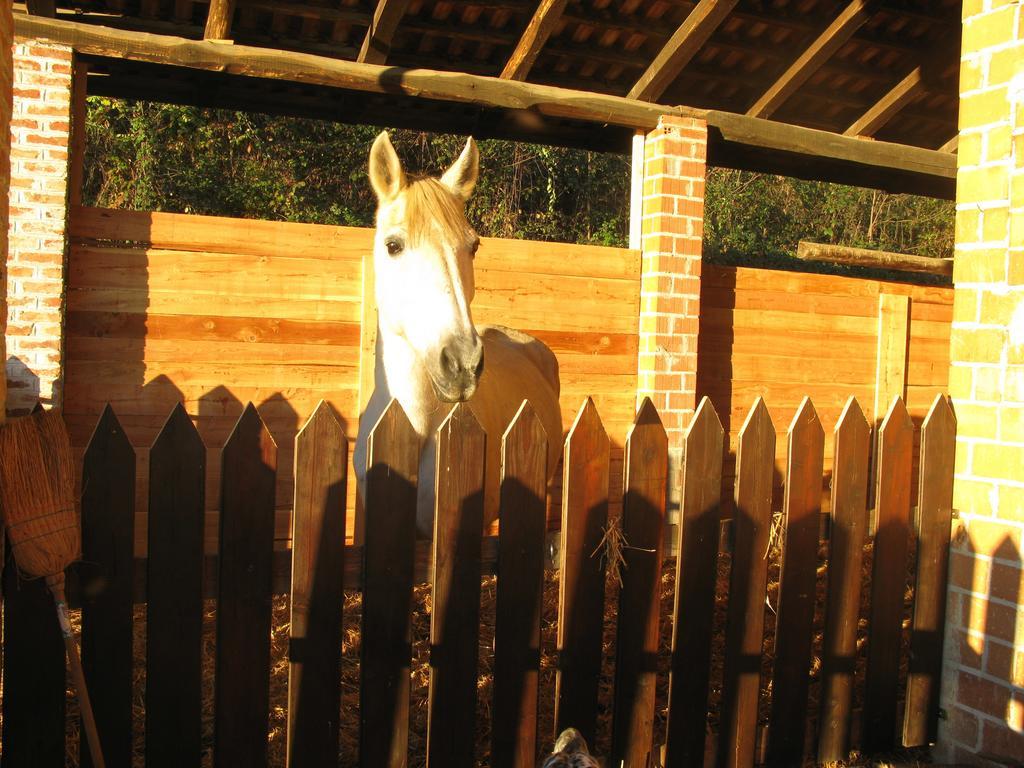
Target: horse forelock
pixel 432 212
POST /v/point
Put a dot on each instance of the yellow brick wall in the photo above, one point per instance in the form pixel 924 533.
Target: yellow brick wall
pixel 6 80
pixel 983 695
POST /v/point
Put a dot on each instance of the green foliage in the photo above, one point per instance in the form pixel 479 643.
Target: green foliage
pixel 751 215
pixel 148 156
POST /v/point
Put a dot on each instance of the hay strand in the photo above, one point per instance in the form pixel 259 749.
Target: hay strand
pixel 611 547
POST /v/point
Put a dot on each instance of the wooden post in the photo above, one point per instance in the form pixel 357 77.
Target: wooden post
pixel 636 192
pixel 79 110
pixel 891 362
pixel 218 22
pixel 890 371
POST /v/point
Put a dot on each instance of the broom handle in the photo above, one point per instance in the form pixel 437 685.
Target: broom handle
pixel 77 675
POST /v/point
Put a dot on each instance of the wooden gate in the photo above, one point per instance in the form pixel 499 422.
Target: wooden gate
pixel 667 704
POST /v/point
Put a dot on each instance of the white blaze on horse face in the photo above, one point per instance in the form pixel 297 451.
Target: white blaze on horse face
pixel 423 253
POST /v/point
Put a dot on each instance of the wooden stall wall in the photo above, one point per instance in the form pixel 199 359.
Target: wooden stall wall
pixel 216 312
pixel 783 335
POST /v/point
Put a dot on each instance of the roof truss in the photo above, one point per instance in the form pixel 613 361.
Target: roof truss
pixel 539 28
pixel 852 18
pixel 377 43
pixel 734 140
pixel 696 28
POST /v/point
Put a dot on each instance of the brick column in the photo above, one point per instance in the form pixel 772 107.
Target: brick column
pixel 40 136
pixel 983 679
pixel 672 229
pixel 6 80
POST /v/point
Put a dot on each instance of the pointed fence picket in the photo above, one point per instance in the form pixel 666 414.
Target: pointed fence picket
pixel 174 581
pixel 636 645
pixel 582 585
pixel 318 564
pixel 748 582
pixel 455 620
pixel 848 532
pixel 888 577
pixel 388 555
pixel 932 527
pixel 794 623
pixel 386 568
pixel 520 591
pixel 246 548
pixel 105 579
pixel 696 574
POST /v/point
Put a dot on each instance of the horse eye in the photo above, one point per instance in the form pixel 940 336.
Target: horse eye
pixel 394 246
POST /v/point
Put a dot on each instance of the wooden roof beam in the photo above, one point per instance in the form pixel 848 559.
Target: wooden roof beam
pixel 696 28
pixel 537 32
pixel 218 20
pixel 734 140
pixel 377 43
pixel 852 18
pixel 883 110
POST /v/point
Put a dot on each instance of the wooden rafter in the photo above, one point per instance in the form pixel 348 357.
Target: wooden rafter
pixel 951 145
pixel 540 27
pixel 680 48
pixel 218 22
pixel 852 17
pixel 883 110
pixel 944 49
pixel 735 140
pixel 377 43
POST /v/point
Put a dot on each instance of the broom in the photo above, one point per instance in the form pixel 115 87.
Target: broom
pixel 37 497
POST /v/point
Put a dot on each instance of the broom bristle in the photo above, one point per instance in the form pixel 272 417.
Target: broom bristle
pixel 37 495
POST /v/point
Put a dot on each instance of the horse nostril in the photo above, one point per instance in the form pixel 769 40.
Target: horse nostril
pixel 448 362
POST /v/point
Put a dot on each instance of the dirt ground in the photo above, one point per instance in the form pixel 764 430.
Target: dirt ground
pixel 420 666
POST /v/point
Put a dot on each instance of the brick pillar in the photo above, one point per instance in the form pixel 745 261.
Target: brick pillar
pixel 983 679
pixel 6 80
pixel 40 137
pixel 672 229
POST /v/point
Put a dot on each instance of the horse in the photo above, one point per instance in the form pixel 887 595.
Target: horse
pixel 429 354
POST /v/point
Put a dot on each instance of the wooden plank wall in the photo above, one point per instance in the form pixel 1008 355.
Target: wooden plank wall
pixel 216 312
pixel 783 335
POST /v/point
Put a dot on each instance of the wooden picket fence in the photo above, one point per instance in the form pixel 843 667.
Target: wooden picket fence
pixel 385 569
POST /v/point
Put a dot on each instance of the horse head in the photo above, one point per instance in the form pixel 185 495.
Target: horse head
pixel 423 262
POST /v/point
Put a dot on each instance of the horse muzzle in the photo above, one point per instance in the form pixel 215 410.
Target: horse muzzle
pixel 459 366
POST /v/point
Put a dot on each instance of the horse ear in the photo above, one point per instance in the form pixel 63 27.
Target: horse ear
pixel 571 741
pixel 386 175
pixel 461 177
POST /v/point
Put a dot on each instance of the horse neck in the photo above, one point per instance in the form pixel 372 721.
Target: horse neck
pixel 399 372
